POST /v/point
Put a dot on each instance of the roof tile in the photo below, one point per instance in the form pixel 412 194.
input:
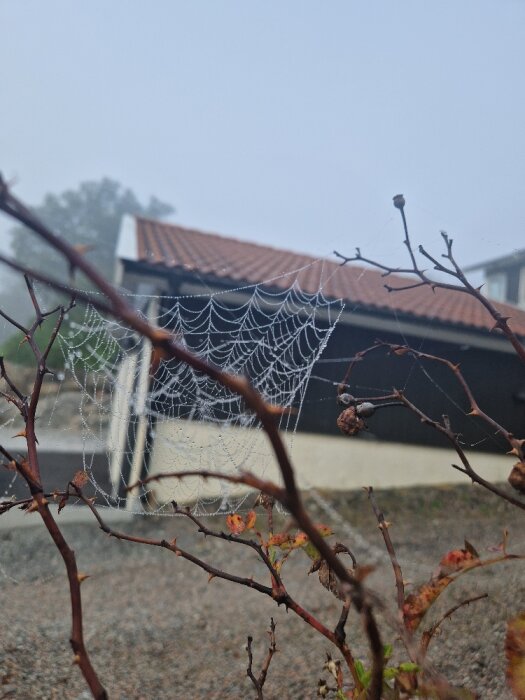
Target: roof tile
pixel 167 245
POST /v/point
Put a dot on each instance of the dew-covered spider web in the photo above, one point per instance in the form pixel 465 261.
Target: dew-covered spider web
pixel 152 416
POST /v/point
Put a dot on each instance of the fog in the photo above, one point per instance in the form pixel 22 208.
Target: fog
pixel 291 124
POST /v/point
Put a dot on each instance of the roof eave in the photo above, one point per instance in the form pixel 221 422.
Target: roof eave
pixel 363 315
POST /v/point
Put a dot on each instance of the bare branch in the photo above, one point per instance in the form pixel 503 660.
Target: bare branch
pixel 384 526
pixel 34 300
pixel 444 428
pixel 258 683
pixel 13 322
pixel 463 286
pixel 246 478
pixel 343 617
pixel 428 634
pixel 467 468
pixel 233 538
pixel 166 344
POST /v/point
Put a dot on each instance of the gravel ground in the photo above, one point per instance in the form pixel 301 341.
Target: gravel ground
pixel 156 629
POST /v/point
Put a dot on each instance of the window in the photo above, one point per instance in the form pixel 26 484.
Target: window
pixel 497 286
pixel 521 289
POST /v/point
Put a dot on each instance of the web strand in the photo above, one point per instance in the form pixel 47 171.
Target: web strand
pixel 176 418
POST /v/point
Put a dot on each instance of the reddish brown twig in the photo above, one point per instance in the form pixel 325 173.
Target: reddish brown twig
pixel 475 410
pixel 454 271
pixel 229 537
pixel 246 478
pixel 444 427
pixel 467 468
pixel 30 471
pixel 259 681
pixel 167 347
pixel 429 633
pixel 278 593
pixel 24 503
pixel 384 528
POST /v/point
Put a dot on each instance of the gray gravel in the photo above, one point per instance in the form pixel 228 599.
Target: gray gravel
pixel 157 629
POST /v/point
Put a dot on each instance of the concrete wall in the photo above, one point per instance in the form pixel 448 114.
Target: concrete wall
pixel 321 461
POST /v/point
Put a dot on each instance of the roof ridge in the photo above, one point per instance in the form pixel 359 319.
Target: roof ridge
pixel 237 260
pixel 224 237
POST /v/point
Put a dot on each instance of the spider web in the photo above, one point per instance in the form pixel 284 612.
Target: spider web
pixel 176 418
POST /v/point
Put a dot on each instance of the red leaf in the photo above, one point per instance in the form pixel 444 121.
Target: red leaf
pixel 457 559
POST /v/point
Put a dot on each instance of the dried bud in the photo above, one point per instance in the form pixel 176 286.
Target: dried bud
pixel 331 666
pixel 346 400
pixel 517 477
pixel 365 410
pixel 349 422
pixel 32 507
pixel 80 479
pixel 399 201
pixel 322 689
pixel 265 501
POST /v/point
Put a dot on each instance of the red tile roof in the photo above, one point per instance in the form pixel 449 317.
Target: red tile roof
pixel 169 246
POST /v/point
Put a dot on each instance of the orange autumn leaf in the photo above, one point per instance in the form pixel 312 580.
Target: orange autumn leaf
pixel 300 539
pixel 457 559
pixel 80 479
pixel 417 604
pixel 278 539
pixel 324 530
pixel 515 653
pixel 235 523
pixel 250 519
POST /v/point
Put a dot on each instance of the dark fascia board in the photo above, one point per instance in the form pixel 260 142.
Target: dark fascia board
pixel 371 317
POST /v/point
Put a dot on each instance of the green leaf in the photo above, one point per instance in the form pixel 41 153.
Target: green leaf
pixel 390 673
pixel 363 675
pixel 387 651
pixel 272 554
pixel 311 551
pixel 408 667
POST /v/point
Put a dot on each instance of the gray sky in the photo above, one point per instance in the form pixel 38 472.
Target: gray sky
pixel 291 123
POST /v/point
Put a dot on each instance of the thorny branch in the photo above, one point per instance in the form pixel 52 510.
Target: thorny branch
pixel 278 593
pixel 428 634
pixel 444 427
pixel 166 346
pixel 259 681
pixel 229 537
pixel 454 270
pixel 30 471
pixel 384 528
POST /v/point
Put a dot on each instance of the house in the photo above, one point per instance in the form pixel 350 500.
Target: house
pixel 504 277
pixel 158 261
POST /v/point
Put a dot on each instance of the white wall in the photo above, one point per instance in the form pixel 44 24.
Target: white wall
pixel 323 462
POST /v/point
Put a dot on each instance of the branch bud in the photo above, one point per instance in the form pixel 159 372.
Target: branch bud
pixel 399 201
